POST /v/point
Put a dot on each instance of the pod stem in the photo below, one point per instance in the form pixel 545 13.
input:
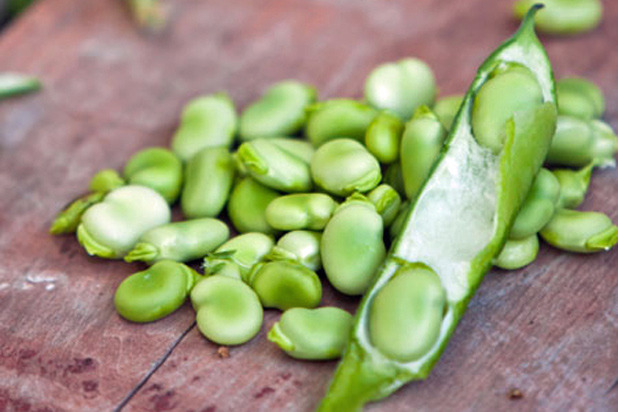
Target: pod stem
pixel 145 252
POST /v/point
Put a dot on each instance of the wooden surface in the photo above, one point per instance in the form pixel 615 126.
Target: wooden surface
pixel 550 330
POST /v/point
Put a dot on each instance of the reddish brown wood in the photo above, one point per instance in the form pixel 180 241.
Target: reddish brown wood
pixel 549 331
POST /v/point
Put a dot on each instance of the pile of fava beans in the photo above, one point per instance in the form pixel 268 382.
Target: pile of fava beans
pixel 310 188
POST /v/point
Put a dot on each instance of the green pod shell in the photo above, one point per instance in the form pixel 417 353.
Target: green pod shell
pixel 446 109
pixel 207 121
pixel 421 144
pixel 237 256
pixel 344 166
pixel 401 87
pixel 275 167
pixel 509 90
pixel 393 177
pixel 228 311
pixel 297 147
pixel 539 206
pixel 158 169
pixel 110 229
pixel 518 253
pixel 563 17
pixel 313 334
pixel 352 247
pixel 105 181
pixel 300 211
pixel 579 98
pixel 209 176
pixel 386 201
pixel 69 218
pixel 573 186
pixel 383 137
pixel 302 246
pixel 284 284
pixel 338 118
pixel 583 232
pixel 154 293
pixel 279 112
pixel 180 241
pixel 406 314
pixel 247 206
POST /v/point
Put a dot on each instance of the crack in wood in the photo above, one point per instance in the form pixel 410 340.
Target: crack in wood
pixel 152 370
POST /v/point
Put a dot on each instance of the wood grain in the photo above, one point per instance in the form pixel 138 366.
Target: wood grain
pixel 549 330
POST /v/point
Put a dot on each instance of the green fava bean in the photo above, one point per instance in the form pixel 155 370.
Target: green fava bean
pixel 344 166
pixel 275 167
pixel 207 121
pixel 228 311
pixel 299 148
pixel 314 334
pixel 280 111
pixel 386 201
pixel 383 137
pixel 446 109
pixel 155 292
pixel 237 256
pixel 539 206
pixel 247 206
pixel 180 241
pixel 518 253
pixel 510 90
pixel 579 98
pixel 393 176
pixel 338 118
pixel 573 186
pixel 563 16
pixel 577 142
pixel 421 144
pixel 158 169
pixel 300 211
pixel 583 232
pixel 284 284
pixel 110 229
pixel 406 314
pixel 69 218
pixel 302 246
pixel 352 247
pixel 399 221
pixel 105 181
pixel 401 87
pixel 209 176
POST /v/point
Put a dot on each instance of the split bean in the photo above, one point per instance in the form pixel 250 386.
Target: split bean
pixel 338 118
pixel 237 256
pixel 583 232
pixel 180 241
pixel 300 211
pixel 302 246
pixel 518 253
pixel 158 169
pixel 314 334
pixel 383 137
pixel 247 206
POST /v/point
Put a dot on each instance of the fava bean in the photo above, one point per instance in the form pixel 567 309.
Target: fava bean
pixel 300 211
pixel 302 246
pixel 539 206
pixel 315 334
pixel 583 232
pixel 579 98
pixel 573 186
pixel 394 178
pixel 284 284
pixel 386 201
pixel 299 148
pixel 180 241
pixel 209 176
pixel 344 166
pixel 400 219
pixel 401 86
pixel 518 253
pixel 338 118
pixel 110 229
pixel 228 311
pixel 279 112
pixel 563 16
pixel 446 109
pixel 207 121
pixel 406 314
pixel 237 256
pixel 69 218
pixel 158 169
pixel 352 247
pixel 383 137
pixel 155 292
pixel 421 144
pixel 247 206
pixel 105 181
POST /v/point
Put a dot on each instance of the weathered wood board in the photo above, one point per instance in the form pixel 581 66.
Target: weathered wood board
pixel 550 330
